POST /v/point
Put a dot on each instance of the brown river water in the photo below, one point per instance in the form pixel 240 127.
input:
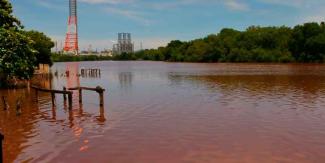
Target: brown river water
pixel 158 112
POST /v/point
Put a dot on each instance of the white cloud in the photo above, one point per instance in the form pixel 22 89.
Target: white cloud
pixel 49 4
pixel 230 4
pixel 306 10
pixel 107 1
pixel 315 15
pixel 236 5
pixel 151 42
pixel 292 3
pixel 296 3
pixel 130 14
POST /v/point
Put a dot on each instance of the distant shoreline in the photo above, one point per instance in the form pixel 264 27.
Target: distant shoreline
pixel 83 58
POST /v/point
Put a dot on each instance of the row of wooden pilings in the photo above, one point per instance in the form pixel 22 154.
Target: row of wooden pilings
pixel 68 92
pixel 67 96
pixel 90 72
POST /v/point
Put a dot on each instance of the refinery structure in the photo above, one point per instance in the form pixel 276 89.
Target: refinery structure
pixel 71 46
pixel 124 44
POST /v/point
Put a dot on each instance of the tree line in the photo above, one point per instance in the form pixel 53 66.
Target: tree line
pixel 302 43
pixel 20 51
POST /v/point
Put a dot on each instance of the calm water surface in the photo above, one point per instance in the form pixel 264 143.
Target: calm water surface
pixel 158 112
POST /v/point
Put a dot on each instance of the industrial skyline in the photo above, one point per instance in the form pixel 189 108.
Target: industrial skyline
pixel 124 44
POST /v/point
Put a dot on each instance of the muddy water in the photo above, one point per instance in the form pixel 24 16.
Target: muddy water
pixel 172 112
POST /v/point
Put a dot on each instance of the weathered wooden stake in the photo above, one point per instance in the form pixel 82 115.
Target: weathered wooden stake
pixel 5 104
pixel 53 113
pixel 101 117
pixel 64 95
pixel 1 151
pixel 100 91
pixel 80 95
pixel 70 101
pixel 53 98
pixel 101 99
pixel 18 107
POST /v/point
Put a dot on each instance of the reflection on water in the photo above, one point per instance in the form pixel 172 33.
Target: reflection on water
pixel 73 79
pixel 125 79
pixel 172 112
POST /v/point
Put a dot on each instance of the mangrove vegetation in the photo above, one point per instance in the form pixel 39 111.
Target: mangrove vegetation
pixel 302 43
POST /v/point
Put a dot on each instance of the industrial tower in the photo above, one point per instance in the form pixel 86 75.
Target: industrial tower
pixel 71 39
pixel 124 44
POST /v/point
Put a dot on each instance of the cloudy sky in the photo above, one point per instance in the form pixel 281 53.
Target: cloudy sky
pixel 156 22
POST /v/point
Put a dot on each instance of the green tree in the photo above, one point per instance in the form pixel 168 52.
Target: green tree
pixel 303 43
pixel 43 45
pixel 306 40
pixel 17 57
pixel 7 20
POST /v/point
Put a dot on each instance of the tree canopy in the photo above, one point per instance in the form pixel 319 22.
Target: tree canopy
pixel 20 51
pixel 7 20
pixel 303 43
pixel 17 57
pixel 43 45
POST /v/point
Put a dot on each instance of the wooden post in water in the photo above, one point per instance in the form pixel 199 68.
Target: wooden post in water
pixel 5 104
pixel 101 117
pixel 53 98
pixel 64 95
pixel 18 107
pixel 80 95
pixel 100 91
pixel 53 92
pixel 101 99
pixel 1 151
pixel 70 101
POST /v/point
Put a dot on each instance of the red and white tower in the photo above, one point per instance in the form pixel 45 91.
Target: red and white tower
pixel 71 39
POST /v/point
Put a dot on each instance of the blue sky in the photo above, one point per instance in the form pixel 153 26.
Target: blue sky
pixel 156 22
